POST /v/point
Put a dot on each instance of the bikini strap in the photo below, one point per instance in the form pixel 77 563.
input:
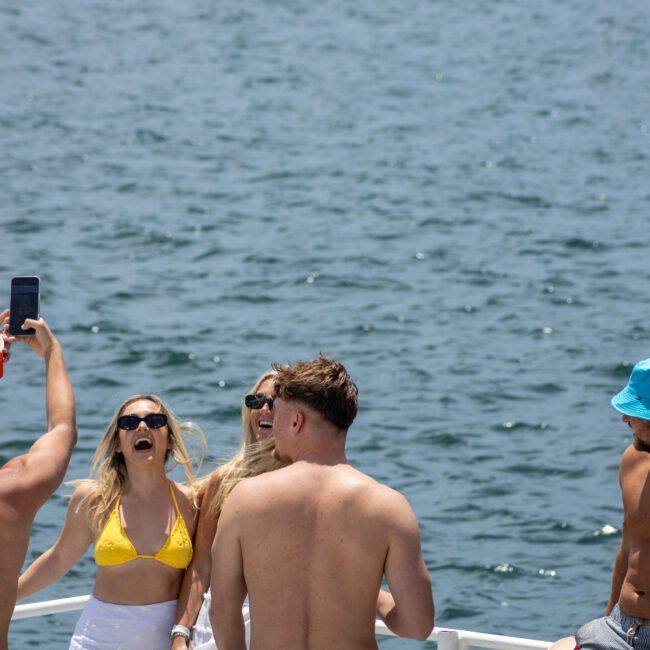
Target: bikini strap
pixel 116 510
pixel 178 510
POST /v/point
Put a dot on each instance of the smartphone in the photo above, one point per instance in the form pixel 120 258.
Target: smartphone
pixel 25 292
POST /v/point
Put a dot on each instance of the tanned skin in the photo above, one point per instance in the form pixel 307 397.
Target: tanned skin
pixel 310 543
pixel 197 576
pixel 27 481
pixel 631 575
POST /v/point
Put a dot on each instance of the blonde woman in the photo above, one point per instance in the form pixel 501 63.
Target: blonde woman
pixel 255 456
pixel 141 525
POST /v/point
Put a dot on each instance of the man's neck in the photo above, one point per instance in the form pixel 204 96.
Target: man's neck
pixel 322 456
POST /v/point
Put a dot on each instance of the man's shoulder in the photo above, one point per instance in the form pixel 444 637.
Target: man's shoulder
pixel 252 485
pixel 14 478
pixel 632 457
pixel 18 489
pixel 384 503
pixel 273 490
pixel 374 488
pixel 253 496
pixel 634 469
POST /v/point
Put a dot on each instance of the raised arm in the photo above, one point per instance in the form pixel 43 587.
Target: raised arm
pixel 39 472
pixel 228 585
pixel 408 609
pixel 68 549
pixel 197 577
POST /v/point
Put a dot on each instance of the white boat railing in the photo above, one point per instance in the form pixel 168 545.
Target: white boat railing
pixel 447 639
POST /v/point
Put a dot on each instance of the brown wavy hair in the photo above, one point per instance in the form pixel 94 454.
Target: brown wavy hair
pixel 322 384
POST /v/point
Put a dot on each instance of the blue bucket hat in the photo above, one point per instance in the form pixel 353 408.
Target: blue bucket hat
pixel 634 399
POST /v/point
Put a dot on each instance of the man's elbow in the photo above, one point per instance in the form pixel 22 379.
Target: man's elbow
pixel 69 432
pixel 60 439
pixel 415 626
pixel 421 628
pixel 423 632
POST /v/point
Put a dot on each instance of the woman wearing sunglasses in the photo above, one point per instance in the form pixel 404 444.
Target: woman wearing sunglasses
pixel 141 525
pixel 255 456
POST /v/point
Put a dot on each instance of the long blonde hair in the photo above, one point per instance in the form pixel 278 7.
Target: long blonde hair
pixel 109 468
pixel 252 458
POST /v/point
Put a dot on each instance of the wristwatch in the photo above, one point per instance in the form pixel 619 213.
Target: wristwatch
pixel 180 630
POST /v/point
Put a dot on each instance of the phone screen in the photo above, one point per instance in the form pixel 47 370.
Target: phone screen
pixel 24 304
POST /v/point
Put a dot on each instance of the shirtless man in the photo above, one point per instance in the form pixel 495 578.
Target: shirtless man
pixel 627 616
pixel 311 542
pixel 27 481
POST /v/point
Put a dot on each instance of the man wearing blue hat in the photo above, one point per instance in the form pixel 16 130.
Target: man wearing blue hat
pixel 626 622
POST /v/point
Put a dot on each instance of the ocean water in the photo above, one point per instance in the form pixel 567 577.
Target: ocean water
pixel 450 197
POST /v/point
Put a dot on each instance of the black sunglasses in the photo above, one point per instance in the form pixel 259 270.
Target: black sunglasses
pixel 258 401
pixel 152 420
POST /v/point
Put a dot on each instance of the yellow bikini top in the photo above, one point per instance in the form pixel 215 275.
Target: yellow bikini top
pixel 113 545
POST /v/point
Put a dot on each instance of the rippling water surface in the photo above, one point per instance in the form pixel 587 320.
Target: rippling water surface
pixel 450 197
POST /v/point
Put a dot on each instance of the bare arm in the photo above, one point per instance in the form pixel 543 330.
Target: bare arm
pixel 618 575
pixel 40 471
pixel 408 609
pixel 197 577
pixel 68 549
pixel 622 555
pixel 227 582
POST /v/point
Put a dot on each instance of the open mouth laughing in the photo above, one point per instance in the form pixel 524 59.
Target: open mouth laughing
pixel 143 443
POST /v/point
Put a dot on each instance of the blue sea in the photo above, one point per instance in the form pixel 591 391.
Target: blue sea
pixel 451 198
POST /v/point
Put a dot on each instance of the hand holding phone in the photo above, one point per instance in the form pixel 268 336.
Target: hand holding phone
pixel 24 304
pixel 43 341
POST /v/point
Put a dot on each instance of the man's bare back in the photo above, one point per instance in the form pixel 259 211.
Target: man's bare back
pixel 310 543
pixel 27 481
pixel 326 543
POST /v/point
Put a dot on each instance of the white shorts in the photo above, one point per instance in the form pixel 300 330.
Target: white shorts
pixel 202 637
pixel 105 626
